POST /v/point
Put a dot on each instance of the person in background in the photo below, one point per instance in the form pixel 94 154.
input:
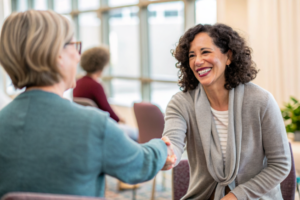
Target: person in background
pixel 233 129
pixel 52 145
pixel 93 62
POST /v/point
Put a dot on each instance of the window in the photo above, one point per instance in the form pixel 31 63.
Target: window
pixel 125 92
pixel 89 30
pixel 206 11
pixel 164 33
pixel 40 5
pixel 62 6
pixel 88 5
pixel 171 13
pixel 22 5
pixel 122 2
pixel 162 94
pixel 152 13
pixel 140 35
pixel 124 42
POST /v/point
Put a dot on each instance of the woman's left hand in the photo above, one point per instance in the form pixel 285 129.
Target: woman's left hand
pixel 229 196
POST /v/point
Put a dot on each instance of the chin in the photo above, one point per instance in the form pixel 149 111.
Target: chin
pixel 206 82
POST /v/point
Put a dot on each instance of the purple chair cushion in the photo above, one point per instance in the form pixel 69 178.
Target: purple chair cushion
pixel 150 121
pixel 181 178
pixel 85 102
pixel 40 196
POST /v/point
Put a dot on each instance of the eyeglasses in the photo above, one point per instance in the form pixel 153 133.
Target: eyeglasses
pixel 77 45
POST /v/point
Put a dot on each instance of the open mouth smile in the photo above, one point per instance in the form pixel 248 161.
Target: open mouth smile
pixel 204 71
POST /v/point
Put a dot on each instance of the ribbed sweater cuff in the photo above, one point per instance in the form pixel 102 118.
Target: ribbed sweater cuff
pixel 239 193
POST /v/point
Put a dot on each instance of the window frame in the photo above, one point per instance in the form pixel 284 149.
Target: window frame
pixel 103 13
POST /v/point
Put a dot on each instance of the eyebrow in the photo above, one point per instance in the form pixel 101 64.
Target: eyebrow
pixel 201 49
pixel 205 48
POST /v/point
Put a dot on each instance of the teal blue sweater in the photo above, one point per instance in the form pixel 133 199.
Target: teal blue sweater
pixel 51 145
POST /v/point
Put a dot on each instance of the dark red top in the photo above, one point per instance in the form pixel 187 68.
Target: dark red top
pixel 87 87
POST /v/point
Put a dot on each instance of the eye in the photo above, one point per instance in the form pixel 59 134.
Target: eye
pixel 205 52
pixel 191 55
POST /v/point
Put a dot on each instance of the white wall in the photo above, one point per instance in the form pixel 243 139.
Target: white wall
pixel 272 30
pixel 4 12
pixel 234 13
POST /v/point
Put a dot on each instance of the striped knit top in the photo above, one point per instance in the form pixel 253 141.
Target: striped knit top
pixel 221 121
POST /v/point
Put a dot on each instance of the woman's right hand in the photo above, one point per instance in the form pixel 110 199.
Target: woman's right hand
pixel 171 159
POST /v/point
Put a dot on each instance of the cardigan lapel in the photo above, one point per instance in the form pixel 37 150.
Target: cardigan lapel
pixel 210 139
pixel 208 134
pixel 203 118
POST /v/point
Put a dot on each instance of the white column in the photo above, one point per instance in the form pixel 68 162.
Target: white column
pixel 5 10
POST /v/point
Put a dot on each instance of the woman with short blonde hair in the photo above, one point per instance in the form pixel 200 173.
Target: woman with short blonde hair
pixel 49 144
pixel 30 55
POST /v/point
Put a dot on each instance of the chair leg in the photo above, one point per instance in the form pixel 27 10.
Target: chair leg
pixel 153 189
pixel 134 193
pixel 297 187
pixel 163 180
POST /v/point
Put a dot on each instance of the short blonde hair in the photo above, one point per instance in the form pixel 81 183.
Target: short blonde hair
pixel 95 59
pixel 30 44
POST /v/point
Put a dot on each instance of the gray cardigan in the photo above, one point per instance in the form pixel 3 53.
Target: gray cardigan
pixel 265 154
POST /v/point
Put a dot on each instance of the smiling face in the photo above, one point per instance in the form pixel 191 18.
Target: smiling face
pixel 207 61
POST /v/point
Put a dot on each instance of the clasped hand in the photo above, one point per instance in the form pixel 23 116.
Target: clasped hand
pixel 229 196
pixel 171 159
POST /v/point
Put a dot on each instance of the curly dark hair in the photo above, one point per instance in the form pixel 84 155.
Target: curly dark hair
pixel 95 59
pixel 242 69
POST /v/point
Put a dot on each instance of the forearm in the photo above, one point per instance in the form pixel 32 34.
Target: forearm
pixel 147 163
pixel 129 161
pixel 175 129
pixel 262 183
pixel 277 152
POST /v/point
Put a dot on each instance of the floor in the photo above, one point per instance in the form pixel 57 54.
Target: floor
pixel 143 192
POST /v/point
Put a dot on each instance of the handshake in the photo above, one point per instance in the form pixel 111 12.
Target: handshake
pixel 171 159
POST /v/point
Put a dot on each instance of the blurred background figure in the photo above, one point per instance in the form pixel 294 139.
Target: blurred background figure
pixel 93 62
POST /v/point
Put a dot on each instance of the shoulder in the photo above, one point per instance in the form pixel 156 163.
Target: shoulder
pixel 87 112
pixel 87 81
pixel 181 99
pixel 182 102
pixel 256 94
pixel 185 96
pixel 255 97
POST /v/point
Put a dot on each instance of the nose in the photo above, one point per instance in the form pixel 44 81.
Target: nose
pixel 199 61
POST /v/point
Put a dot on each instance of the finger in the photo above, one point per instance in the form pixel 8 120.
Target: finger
pixel 171 160
pixel 171 150
pixel 166 140
pixel 167 167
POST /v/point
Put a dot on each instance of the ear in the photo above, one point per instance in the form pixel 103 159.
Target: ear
pixel 60 60
pixel 229 57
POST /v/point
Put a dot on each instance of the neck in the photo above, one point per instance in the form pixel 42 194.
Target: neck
pixel 218 97
pixel 58 88
pixel 95 75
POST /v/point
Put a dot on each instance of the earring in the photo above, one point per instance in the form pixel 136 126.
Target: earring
pixel 227 66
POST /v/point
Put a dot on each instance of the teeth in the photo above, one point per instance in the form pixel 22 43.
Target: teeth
pixel 204 71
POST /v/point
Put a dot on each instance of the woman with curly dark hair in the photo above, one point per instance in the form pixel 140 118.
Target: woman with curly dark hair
pixel 233 129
